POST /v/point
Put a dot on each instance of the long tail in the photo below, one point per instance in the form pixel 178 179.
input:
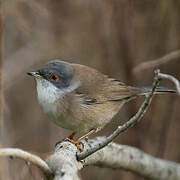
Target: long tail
pixel 159 90
pixel 133 92
pixel 143 91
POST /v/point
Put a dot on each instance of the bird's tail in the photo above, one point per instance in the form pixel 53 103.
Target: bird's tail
pixel 159 90
pixel 134 92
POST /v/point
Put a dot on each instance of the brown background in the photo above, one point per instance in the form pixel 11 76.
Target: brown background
pixel 113 36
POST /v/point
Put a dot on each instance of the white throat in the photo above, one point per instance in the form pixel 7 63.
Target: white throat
pixel 52 101
pixel 47 92
pixel 48 95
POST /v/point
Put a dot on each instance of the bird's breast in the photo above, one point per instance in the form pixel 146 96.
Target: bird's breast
pixel 49 97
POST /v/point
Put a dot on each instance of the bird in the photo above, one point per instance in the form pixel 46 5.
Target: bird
pixel 80 98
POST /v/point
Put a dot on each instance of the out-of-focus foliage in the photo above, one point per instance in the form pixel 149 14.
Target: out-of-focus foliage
pixel 112 36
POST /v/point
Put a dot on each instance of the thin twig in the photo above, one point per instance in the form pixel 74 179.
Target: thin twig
pixel 125 126
pixel 171 78
pixel 154 63
pixel 18 153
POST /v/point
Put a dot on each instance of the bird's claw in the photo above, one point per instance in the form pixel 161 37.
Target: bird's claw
pixel 77 143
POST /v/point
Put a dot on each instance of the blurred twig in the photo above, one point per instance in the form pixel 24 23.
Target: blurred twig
pixel 154 63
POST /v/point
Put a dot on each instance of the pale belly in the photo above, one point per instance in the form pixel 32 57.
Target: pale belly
pixel 80 119
pixel 58 114
pixel 71 123
pixel 60 110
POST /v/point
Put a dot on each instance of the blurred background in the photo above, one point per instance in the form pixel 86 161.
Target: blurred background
pixel 113 36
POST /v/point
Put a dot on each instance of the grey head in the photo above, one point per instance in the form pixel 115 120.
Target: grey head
pixel 54 81
pixel 59 74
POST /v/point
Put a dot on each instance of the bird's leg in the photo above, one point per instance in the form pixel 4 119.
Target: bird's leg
pixel 86 135
pixel 69 138
pixel 72 136
pixel 78 142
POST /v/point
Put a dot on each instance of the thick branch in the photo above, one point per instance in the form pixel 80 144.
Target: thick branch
pixel 18 153
pixel 64 165
pixel 134 160
pixel 63 162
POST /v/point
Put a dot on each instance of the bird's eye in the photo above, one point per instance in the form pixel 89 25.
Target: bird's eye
pixel 54 77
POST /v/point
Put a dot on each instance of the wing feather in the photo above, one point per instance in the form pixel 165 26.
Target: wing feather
pixel 96 88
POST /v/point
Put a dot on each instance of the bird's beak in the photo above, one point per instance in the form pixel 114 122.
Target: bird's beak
pixel 34 74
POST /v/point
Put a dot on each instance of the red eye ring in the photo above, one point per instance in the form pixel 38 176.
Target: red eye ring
pixel 54 77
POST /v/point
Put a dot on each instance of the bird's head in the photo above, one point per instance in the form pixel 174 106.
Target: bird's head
pixel 55 76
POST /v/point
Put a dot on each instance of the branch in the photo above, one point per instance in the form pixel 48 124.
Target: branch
pixel 18 153
pixel 125 126
pixel 154 63
pixel 64 165
pixel 132 159
pixel 63 162
pixel 171 78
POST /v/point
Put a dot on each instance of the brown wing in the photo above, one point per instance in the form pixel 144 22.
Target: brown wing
pixel 97 88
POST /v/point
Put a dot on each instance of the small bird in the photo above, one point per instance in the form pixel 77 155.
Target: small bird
pixel 80 98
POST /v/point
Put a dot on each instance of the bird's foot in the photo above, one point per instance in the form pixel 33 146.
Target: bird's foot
pixel 78 144
pixel 69 138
